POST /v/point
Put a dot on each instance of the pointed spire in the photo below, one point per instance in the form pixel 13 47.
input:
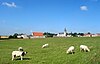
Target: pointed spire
pixel 65 30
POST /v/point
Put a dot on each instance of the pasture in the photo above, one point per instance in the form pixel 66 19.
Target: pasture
pixel 54 54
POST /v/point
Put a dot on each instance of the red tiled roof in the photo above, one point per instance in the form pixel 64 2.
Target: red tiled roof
pixel 37 34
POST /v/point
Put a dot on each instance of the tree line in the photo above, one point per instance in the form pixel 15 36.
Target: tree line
pixel 48 34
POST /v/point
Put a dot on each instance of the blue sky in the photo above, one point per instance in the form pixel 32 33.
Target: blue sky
pixel 26 16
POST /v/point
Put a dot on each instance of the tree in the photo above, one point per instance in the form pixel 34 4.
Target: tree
pixel 74 34
pixel 11 36
pixel 15 35
pixel 88 33
pixel 81 34
pixel 70 33
pixel 48 34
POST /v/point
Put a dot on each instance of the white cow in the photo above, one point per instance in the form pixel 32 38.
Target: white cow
pixel 84 48
pixel 45 45
pixel 18 54
pixel 70 50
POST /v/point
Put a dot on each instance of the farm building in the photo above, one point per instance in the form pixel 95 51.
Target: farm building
pixel 89 35
pixel 61 34
pixel 98 34
pixel 4 36
pixel 38 35
pixel 92 35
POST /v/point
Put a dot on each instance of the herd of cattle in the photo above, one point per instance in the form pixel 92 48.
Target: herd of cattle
pixel 20 52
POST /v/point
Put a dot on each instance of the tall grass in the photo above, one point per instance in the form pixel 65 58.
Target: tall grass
pixel 54 54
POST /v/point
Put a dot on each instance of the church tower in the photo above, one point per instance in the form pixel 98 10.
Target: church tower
pixel 65 32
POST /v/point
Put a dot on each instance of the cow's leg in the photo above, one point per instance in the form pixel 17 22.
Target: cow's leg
pixel 21 58
pixel 12 57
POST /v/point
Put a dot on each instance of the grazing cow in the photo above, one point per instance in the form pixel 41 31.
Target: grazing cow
pixel 70 50
pixel 18 54
pixel 45 45
pixel 84 48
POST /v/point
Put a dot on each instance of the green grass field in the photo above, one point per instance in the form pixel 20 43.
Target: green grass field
pixel 54 54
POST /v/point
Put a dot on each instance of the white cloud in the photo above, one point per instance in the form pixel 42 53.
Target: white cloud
pixel 84 8
pixel 12 4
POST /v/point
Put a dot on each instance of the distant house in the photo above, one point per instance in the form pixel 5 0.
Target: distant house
pixel 87 35
pixel 97 34
pixel 38 35
pixel 63 34
pixel 90 35
pixel 4 36
pixel 24 36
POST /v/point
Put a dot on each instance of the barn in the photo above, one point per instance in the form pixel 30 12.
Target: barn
pixel 38 35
